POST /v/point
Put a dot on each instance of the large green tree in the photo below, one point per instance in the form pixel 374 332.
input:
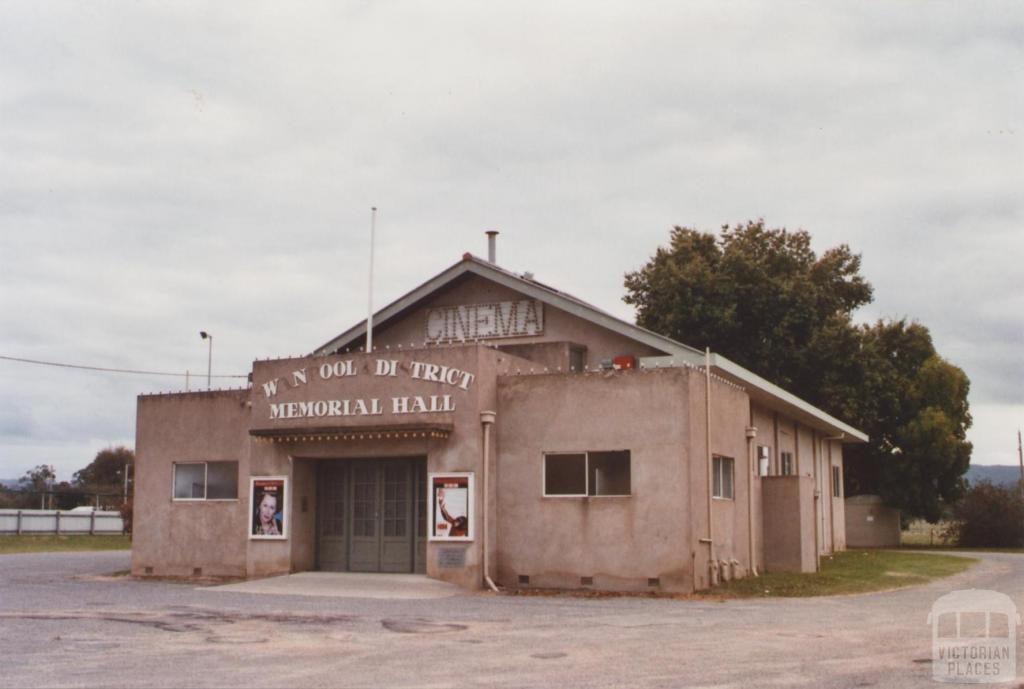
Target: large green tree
pixel 765 299
pixel 106 471
pixel 759 296
pixel 913 405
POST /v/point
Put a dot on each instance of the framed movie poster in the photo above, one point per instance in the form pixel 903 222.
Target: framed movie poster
pixel 451 506
pixel 268 507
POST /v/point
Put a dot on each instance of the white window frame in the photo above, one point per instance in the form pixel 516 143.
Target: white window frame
pixel 206 480
pixel 586 474
pixel 719 461
pixel 837 482
pixel 765 468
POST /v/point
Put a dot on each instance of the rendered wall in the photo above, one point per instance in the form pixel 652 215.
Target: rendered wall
pixel 837 514
pixel 619 541
pixel 175 537
pixel 730 416
pixel 814 456
pixel 788 504
pixel 871 524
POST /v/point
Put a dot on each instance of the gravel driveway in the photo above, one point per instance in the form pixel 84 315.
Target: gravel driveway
pixel 63 623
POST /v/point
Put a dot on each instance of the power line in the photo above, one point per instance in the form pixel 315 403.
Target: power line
pixel 114 370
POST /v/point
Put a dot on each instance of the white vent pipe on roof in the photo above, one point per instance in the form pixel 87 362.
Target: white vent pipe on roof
pixel 492 246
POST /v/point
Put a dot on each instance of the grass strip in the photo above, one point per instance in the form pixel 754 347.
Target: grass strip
pixel 851 571
pixel 45 543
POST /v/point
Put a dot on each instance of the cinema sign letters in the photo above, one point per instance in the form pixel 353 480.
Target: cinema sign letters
pixel 467 322
pixel 448 376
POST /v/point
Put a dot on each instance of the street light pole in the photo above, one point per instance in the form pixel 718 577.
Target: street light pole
pixel 209 357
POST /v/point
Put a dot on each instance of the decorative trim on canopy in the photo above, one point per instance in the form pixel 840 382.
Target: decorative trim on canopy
pixel 349 433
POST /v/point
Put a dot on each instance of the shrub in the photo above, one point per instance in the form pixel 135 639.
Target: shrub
pixel 989 516
pixel 126 516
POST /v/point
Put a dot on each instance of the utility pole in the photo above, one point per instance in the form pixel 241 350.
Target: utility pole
pixel 1020 458
pixel 209 356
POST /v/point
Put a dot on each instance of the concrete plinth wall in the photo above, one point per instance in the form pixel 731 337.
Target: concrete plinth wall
pixel 788 513
pixel 870 523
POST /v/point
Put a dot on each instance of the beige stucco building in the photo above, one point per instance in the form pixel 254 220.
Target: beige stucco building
pixel 499 431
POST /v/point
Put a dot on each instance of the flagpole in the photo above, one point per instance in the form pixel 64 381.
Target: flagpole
pixel 369 306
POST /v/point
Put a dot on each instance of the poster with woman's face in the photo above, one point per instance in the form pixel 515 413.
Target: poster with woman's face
pixel 267 507
pixel 451 507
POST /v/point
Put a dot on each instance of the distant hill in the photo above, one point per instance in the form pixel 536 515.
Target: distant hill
pixel 9 482
pixel 998 474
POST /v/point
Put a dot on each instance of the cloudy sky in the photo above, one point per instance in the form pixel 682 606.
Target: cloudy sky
pixel 167 168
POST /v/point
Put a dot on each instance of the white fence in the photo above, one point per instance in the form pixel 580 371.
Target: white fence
pixel 58 521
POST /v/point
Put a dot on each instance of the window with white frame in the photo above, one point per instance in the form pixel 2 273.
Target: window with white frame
pixel 583 474
pixel 724 469
pixel 786 463
pixel 763 460
pixel 837 482
pixel 206 481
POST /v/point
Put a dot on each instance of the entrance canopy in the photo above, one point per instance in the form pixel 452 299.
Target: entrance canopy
pixel 439 431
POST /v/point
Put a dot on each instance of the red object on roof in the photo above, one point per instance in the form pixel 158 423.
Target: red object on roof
pixel 466 256
pixel 624 361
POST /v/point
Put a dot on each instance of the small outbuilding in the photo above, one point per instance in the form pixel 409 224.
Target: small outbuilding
pixel 870 523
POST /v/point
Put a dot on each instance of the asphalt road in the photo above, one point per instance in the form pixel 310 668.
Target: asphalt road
pixel 64 624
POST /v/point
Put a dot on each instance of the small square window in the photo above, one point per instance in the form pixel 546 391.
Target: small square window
pixel 763 460
pixel 723 468
pixel 577 359
pixel 190 481
pixel 221 480
pixel 786 464
pixel 608 473
pixel 565 474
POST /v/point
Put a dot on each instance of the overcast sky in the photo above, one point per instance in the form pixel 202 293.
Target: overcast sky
pixel 167 168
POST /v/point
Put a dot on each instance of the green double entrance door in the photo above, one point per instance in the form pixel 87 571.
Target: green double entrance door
pixel 372 515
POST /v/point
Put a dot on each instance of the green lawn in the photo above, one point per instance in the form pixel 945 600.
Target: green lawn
pixel 959 549
pixel 852 571
pixel 51 543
